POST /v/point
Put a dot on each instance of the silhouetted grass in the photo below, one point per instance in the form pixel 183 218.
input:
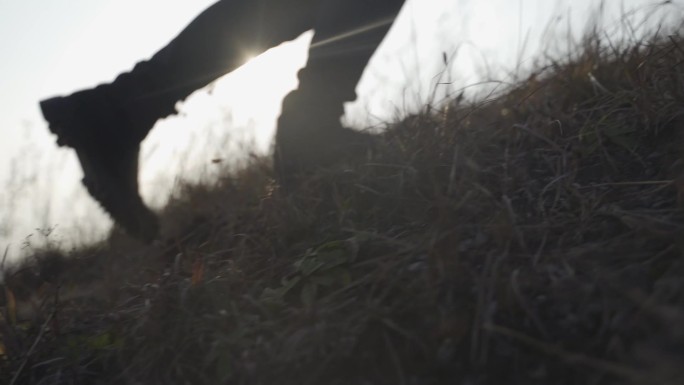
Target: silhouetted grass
pixel 533 238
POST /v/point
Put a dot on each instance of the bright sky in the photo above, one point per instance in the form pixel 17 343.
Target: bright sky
pixel 53 47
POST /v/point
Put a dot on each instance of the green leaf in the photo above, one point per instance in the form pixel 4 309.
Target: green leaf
pixel 343 276
pixel 309 265
pixel 324 279
pixel 333 258
pixel 272 294
pixel 279 293
pixel 308 294
pixel 100 342
pixel 289 284
pixel 224 366
pixel 334 245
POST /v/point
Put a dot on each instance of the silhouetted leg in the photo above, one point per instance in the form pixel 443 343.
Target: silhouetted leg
pixel 105 125
pixel 218 41
pixel 347 33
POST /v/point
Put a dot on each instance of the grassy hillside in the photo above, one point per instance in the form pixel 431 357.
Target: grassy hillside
pixel 536 237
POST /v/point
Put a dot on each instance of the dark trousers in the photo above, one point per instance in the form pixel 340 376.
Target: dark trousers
pixel 347 33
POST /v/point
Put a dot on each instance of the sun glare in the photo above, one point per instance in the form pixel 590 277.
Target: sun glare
pixel 264 79
pixel 240 107
pixel 252 93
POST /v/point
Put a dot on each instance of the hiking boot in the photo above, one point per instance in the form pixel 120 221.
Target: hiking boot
pixel 309 133
pixel 301 150
pixel 107 143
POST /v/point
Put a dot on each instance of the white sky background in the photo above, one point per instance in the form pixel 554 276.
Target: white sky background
pixel 53 47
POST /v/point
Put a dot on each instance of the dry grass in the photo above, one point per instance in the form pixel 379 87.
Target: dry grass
pixel 534 238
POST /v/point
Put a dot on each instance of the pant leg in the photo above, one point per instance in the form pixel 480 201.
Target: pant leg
pixel 347 34
pixel 218 41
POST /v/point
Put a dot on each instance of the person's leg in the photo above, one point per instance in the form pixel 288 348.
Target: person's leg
pixel 106 124
pixel 347 33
